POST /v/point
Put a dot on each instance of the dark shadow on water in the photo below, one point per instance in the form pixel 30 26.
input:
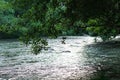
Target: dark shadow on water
pixel 105 59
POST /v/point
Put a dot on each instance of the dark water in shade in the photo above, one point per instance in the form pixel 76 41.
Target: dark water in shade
pixel 79 59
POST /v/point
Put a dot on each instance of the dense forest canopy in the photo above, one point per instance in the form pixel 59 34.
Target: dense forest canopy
pixel 32 19
pixel 7 20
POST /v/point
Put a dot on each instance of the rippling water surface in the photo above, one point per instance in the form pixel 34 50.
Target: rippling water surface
pixel 78 59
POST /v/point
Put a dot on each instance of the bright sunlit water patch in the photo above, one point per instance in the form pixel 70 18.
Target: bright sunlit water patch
pixel 74 60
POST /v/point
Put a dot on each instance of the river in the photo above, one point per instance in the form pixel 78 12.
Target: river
pixel 79 59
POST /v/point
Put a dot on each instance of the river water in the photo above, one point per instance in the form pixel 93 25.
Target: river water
pixel 79 59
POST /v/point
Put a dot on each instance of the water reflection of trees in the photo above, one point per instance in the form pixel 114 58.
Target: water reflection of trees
pixel 105 59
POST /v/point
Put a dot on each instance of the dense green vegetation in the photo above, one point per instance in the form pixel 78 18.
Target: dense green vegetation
pixel 33 19
pixel 7 21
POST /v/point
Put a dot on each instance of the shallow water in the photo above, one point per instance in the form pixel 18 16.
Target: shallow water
pixel 79 59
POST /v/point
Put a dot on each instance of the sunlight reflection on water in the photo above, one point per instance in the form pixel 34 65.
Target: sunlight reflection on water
pixel 60 62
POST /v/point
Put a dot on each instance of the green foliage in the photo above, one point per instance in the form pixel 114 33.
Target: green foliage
pixel 38 19
pixel 97 28
pixel 102 17
pixel 50 18
pixel 7 21
pixel 38 45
